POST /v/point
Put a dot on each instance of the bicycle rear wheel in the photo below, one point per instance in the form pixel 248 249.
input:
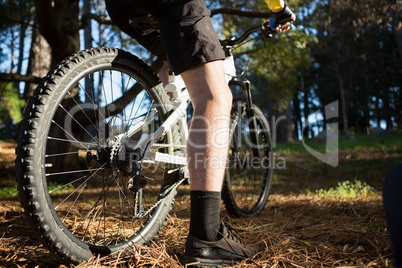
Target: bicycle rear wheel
pixel 248 174
pixel 75 159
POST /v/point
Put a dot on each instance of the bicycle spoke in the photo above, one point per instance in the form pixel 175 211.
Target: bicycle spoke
pixel 248 178
pixel 79 155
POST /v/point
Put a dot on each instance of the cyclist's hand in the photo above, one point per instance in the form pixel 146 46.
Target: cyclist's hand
pixel 280 21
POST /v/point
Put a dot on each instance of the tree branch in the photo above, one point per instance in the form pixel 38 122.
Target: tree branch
pixel 238 12
pixel 229 11
pixel 85 18
pixel 19 78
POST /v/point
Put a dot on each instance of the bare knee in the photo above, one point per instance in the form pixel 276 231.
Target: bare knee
pixel 224 100
pixel 208 88
pixel 218 102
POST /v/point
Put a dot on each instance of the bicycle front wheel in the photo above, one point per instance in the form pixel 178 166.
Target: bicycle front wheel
pixel 248 174
pixel 76 156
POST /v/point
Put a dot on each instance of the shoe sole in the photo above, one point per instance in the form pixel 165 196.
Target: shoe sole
pixel 201 262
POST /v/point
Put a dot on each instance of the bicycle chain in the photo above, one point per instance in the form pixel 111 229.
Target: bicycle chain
pixel 114 152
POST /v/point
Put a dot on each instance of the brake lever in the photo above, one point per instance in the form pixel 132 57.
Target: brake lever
pixel 267 33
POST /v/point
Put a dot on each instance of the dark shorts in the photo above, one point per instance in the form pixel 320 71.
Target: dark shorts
pixel 186 37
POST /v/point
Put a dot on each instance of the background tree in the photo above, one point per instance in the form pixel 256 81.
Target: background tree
pixel 58 23
pixel 14 27
pixel 338 50
pixel 356 61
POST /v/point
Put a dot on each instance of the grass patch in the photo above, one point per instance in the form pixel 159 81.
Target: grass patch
pixel 54 188
pixel 8 192
pixel 385 142
pixel 347 191
pixel 367 159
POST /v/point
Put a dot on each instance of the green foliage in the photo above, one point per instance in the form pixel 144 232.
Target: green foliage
pixel 384 142
pixel 7 13
pixel 356 49
pixel 54 188
pixel 280 60
pixel 10 103
pixel 271 64
pixel 8 192
pixel 11 13
pixel 336 46
pixel 347 190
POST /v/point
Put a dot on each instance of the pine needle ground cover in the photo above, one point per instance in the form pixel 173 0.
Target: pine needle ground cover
pixel 317 216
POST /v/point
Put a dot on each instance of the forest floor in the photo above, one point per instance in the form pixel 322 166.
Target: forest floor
pixel 303 225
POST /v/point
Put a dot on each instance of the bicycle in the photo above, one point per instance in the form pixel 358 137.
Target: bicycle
pixel 101 152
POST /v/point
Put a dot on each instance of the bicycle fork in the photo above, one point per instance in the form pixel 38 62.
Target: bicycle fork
pixel 252 123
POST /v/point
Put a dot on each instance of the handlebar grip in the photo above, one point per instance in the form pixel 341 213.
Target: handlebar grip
pixel 268 32
pixel 268 29
pixel 285 20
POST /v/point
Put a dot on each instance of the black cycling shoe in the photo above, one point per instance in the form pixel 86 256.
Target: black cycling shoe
pixel 227 250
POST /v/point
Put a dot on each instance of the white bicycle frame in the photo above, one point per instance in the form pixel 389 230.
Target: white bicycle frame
pixel 180 102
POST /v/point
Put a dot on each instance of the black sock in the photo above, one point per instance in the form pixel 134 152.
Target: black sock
pixel 205 214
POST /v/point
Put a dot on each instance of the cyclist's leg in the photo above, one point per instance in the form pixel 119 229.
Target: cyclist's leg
pixel 209 130
pixel 194 51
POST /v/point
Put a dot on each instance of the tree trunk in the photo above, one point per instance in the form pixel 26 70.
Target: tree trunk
pixel 343 101
pixel 388 114
pixel 297 115
pixel 59 25
pixel 39 61
pixel 378 110
pixel 21 53
pixel 88 44
pixel 306 111
pixel 396 24
pixel 283 127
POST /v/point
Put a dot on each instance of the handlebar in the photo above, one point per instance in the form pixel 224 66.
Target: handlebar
pixel 231 41
pixel 264 27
